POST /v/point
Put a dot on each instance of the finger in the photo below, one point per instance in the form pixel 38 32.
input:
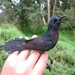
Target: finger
pixel 33 58
pixel 12 56
pixel 41 64
pixel 23 55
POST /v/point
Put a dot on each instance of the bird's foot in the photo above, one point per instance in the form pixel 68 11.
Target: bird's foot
pixel 48 65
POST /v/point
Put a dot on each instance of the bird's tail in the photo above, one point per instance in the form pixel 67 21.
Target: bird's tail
pixel 14 45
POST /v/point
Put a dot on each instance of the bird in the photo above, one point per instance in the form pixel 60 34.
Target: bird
pixel 41 44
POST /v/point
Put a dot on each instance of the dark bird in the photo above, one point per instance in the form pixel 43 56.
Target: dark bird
pixel 41 44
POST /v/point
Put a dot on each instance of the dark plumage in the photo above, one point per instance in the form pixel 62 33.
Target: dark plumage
pixel 41 44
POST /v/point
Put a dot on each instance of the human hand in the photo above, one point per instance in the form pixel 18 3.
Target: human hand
pixel 23 64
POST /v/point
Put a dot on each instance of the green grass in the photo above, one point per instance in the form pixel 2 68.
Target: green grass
pixel 63 53
pixel 8 31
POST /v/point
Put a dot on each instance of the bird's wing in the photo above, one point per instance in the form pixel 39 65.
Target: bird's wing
pixel 20 44
pixel 36 44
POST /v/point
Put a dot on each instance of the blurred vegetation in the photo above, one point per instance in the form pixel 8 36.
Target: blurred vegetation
pixel 24 19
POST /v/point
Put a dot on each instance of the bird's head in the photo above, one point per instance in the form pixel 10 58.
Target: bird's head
pixel 56 21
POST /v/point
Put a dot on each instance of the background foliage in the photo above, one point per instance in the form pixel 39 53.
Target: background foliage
pixel 28 17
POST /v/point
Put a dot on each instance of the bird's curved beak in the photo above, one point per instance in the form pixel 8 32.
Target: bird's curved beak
pixel 60 20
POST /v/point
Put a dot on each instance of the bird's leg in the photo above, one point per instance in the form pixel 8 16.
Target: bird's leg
pixel 48 65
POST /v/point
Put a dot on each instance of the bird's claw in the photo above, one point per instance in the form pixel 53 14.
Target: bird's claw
pixel 48 65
